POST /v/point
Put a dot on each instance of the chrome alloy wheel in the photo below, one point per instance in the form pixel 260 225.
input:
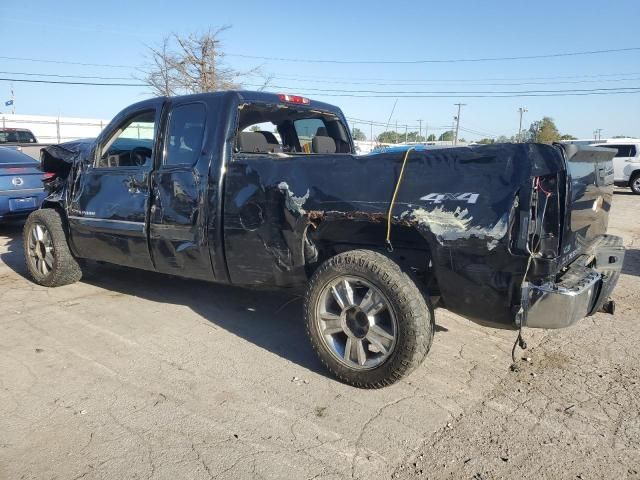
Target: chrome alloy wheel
pixel 356 322
pixel 40 249
pixel 635 186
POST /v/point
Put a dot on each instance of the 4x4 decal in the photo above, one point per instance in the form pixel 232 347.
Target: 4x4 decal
pixel 460 197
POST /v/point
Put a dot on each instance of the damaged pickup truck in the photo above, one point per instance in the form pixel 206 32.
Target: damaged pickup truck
pixel 263 190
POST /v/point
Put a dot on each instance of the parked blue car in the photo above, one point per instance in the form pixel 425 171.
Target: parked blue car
pixel 21 189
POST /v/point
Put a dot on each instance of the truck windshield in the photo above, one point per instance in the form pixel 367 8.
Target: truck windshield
pixel 278 129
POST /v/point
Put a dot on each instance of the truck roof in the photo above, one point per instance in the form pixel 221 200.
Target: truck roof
pixel 250 96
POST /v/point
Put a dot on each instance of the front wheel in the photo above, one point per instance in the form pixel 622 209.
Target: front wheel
pixel 367 320
pixel 49 260
pixel 634 183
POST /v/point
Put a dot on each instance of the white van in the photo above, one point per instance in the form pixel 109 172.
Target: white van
pixel 626 164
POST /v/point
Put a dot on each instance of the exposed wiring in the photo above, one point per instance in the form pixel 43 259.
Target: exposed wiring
pixel 393 199
pixel 536 186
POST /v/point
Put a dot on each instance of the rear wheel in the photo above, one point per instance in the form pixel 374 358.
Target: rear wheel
pixel 634 183
pixel 367 320
pixel 49 260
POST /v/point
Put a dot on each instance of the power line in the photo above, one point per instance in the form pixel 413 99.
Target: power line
pixel 455 60
pixel 64 82
pixel 30 74
pixel 450 92
pixel 467 79
pixel 386 94
pixel 358 62
pixel 447 82
pixel 42 60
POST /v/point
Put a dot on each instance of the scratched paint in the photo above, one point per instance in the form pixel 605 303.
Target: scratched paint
pixel 454 225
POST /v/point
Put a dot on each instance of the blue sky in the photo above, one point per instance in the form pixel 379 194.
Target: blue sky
pixel 116 32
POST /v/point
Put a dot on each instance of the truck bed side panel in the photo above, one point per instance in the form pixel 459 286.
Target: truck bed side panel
pixel 459 200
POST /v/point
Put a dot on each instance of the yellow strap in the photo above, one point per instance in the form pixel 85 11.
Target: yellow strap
pixel 393 199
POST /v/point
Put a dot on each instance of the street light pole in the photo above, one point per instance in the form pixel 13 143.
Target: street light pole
pixel 522 111
pixel 420 131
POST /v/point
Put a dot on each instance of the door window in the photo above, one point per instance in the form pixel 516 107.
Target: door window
pixel 185 134
pixel 131 145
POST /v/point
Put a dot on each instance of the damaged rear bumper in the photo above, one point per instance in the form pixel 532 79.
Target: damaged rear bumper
pixel 581 291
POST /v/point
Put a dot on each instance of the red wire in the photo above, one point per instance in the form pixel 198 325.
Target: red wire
pixel 539 187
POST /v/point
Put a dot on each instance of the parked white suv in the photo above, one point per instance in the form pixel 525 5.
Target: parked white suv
pixel 626 164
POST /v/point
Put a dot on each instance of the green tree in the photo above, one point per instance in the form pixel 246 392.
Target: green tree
pixel 358 134
pixel 255 128
pixel 486 141
pixel 543 131
pixel 566 136
pixel 446 136
pixel 389 137
pixel 431 138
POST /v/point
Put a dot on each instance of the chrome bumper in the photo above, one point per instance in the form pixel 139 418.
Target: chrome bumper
pixel 581 291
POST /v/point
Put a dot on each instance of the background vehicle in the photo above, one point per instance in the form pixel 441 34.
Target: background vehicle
pixel 199 186
pixel 626 163
pixel 21 189
pixel 22 140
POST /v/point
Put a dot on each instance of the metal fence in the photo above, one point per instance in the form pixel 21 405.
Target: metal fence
pixel 55 130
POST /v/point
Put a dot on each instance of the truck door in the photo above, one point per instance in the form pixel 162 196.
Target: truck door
pixel 179 188
pixel 108 214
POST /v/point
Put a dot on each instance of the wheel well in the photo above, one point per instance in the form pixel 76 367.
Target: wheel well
pixel 63 215
pixel 410 249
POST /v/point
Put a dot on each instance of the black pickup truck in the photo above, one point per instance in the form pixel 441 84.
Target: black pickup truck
pixel 263 190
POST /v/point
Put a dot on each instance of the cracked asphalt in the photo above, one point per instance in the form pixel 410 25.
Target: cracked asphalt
pixel 131 374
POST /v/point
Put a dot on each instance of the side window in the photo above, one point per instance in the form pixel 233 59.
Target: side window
pixel 131 145
pixel 306 129
pixel 26 137
pixel 623 150
pixel 185 134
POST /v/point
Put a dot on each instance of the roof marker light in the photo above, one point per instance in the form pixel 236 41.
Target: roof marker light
pixel 294 99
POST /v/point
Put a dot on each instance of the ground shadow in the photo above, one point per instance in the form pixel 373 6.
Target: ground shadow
pixel 270 319
pixel 619 191
pixel 631 264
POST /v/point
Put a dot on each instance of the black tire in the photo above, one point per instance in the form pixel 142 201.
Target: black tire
pixel 61 268
pixel 414 317
pixel 634 183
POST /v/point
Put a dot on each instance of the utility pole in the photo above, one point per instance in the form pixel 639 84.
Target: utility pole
pixel 522 111
pixel 599 130
pixel 406 133
pixel 371 134
pixel 460 105
pixel 453 129
pixel 420 131
pixel 13 101
pixel 426 132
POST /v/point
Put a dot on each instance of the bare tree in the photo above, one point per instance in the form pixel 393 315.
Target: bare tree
pixel 194 64
pixel 159 73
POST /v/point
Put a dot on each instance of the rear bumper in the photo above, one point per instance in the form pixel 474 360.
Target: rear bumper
pixel 20 203
pixel 581 291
